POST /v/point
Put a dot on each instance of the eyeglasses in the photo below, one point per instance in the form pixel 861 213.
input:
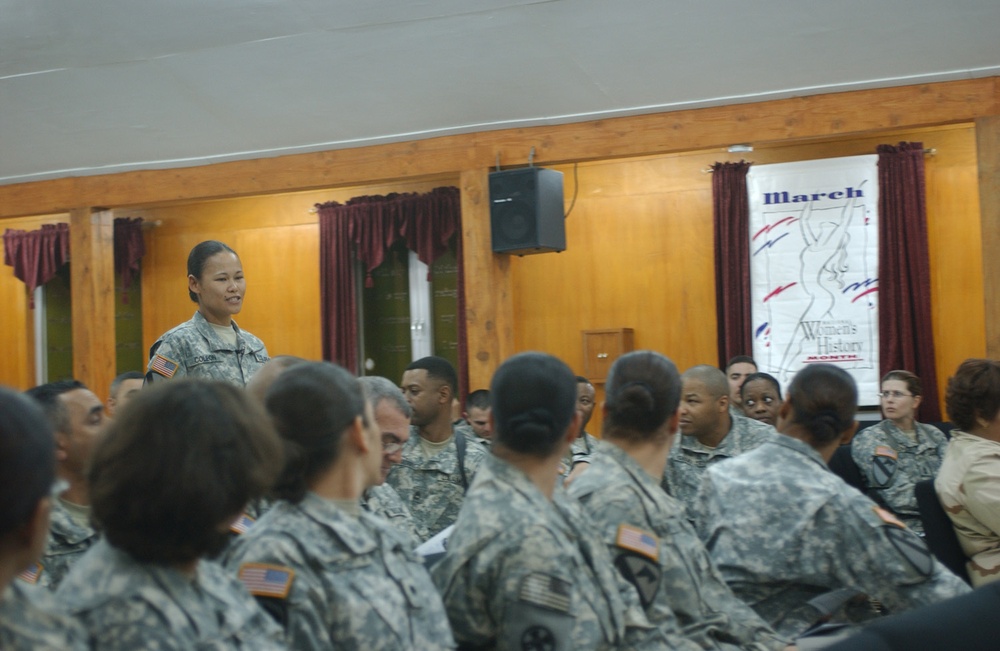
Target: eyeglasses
pixel 391 444
pixel 894 394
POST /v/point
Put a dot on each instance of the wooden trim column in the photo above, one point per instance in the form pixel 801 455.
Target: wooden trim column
pixel 988 153
pixel 489 308
pixel 92 282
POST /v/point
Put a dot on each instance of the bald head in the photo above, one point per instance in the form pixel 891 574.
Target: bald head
pixel 263 379
pixel 714 380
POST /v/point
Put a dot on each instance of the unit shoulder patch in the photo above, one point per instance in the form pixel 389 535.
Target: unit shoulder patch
pixel 886 451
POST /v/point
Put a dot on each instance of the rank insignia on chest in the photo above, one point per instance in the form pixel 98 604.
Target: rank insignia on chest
pixel 263 580
pixel 163 366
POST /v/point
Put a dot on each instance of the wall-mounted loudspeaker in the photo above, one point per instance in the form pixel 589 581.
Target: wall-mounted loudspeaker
pixel 526 211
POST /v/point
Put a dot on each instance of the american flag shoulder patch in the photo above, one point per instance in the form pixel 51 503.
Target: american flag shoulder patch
pixel 264 580
pixel 31 574
pixel 636 540
pixel 241 524
pixel 547 591
pixel 164 366
pixel 886 451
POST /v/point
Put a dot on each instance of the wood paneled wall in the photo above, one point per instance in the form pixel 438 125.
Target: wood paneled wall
pixel 17 363
pixel 639 252
pixel 277 239
pixel 639 237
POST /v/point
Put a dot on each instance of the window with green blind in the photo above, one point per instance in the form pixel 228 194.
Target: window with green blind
pixel 393 326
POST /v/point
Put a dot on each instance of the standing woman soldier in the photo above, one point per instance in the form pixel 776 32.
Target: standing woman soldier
pixel 898 452
pixel 210 345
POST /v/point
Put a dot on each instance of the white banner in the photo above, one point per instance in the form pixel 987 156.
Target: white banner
pixel 814 267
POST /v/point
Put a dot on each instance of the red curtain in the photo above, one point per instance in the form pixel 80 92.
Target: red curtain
pixel 367 226
pixel 129 249
pixel 36 255
pixel 731 216
pixel 905 336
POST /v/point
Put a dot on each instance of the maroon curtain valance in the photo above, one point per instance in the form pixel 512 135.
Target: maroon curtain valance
pixel 367 227
pixel 426 222
pixel 129 249
pixel 906 339
pixel 36 256
pixel 731 217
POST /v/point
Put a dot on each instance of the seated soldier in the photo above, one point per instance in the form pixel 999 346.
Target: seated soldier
pixel 77 416
pixel 173 470
pixel 709 432
pixel 788 535
pixel 29 618
pixel 343 578
pixel 524 568
pixel 646 530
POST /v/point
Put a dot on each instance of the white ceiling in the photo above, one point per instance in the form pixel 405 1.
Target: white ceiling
pixel 117 85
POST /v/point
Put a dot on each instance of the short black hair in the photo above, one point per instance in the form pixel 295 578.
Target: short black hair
pixel 760 375
pixel 200 254
pixel 582 380
pixel 534 399
pixel 480 399
pixel 127 375
pixel 740 359
pixel 185 457
pixel 47 395
pixel 438 368
pixel 312 404
pixel 27 459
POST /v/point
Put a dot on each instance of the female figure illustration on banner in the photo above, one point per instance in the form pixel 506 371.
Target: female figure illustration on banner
pixel 822 266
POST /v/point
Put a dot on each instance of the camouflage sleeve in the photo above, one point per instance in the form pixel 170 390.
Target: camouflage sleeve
pixel 164 362
pixel 131 626
pixel 889 478
pixel 301 611
pixel 877 554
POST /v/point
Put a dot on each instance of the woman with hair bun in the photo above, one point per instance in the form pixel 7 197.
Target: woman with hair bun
pixel 898 452
pixel 524 568
pixel 783 530
pixel 341 578
pixel 968 484
pixel 621 492
pixel 210 345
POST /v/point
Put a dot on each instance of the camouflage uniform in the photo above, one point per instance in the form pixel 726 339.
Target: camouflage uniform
pixel 678 585
pixel 30 621
pixel 67 543
pixel 193 349
pixel 129 605
pixel 968 486
pixel 432 488
pixel 892 463
pixel 354 582
pixel 689 459
pixel 523 572
pixel 784 530
pixel 581 450
pixel 384 501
